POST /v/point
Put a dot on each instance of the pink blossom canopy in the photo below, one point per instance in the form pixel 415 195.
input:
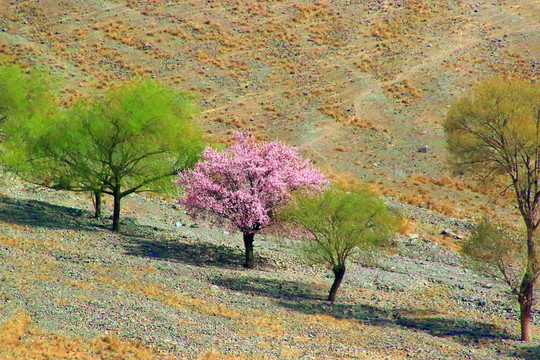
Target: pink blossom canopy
pixel 248 182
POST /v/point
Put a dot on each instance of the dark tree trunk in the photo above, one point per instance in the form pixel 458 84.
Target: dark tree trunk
pixel 248 243
pixel 339 272
pixel 116 211
pixel 97 204
pixel 526 288
pixel 525 304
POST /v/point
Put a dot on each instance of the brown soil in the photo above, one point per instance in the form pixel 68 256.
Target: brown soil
pixel 360 86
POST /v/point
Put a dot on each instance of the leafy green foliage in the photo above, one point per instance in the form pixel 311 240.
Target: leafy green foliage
pixel 24 94
pixel 493 249
pixel 133 138
pixel 495 124
pixel 495 130
pixel 338 223
pixel 26 106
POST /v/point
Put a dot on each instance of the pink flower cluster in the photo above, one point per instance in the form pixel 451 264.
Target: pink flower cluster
pixel 248 182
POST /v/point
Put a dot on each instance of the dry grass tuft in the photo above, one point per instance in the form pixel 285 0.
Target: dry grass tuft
pixel 215 355
pixel 407 226
pixel 330 322
pixel 260 323
pixel 345 179
pixel 20 339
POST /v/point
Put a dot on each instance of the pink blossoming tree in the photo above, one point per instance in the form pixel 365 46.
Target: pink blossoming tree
pixel 247 184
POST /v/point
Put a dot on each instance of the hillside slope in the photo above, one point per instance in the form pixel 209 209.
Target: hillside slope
pixel 166 288
pixel 361 86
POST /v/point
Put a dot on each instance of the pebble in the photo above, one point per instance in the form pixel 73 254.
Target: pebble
pixel 373 296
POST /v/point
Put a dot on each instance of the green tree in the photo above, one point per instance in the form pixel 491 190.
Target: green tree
pixel 495 131
pixel 133 138
pixel 338 223
pixel 27 107
pixel 497 251
pixel 24 94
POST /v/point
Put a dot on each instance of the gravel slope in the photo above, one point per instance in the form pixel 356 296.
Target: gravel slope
pixel 180 287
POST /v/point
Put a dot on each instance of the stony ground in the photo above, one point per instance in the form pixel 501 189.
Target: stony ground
pixel 179 288
pixel 362 86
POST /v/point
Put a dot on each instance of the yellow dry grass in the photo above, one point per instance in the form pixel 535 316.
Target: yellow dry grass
pixel 108 276
pixel 216 355
pixel 262 323
pixel 20 339
pixel 407 226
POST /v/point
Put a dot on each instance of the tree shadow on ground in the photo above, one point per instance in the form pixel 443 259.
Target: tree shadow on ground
pixel 436 324
pixel 272 288
pixel 37 213
pixel 306 298
pixel 188 251
pixel 459 329
pixel 366 314
pixel 527 352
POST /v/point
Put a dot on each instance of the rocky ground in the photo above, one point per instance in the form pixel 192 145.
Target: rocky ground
pixel 179 288
pixel 362 87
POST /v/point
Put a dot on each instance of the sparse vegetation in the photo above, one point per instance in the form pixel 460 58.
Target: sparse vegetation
pixel 247 184
pixel 337 224
pixel 495 130
pixel 20 339
pixel 360 87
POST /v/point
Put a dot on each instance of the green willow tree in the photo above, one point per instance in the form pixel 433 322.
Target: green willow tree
pixel 337 224
pixel 24 94
pixel 495 131
pixel 498 252
pixel 27 110
pixel 133 138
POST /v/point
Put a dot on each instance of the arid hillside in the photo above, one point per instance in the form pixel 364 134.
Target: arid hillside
pixel 168 288
pixel 361 86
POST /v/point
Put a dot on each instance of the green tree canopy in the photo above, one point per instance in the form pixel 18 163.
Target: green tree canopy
pixel 338 223
pixel 495 130
pixel 497 251
pixel 27 107
pixel 133 138
pixel 24 94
